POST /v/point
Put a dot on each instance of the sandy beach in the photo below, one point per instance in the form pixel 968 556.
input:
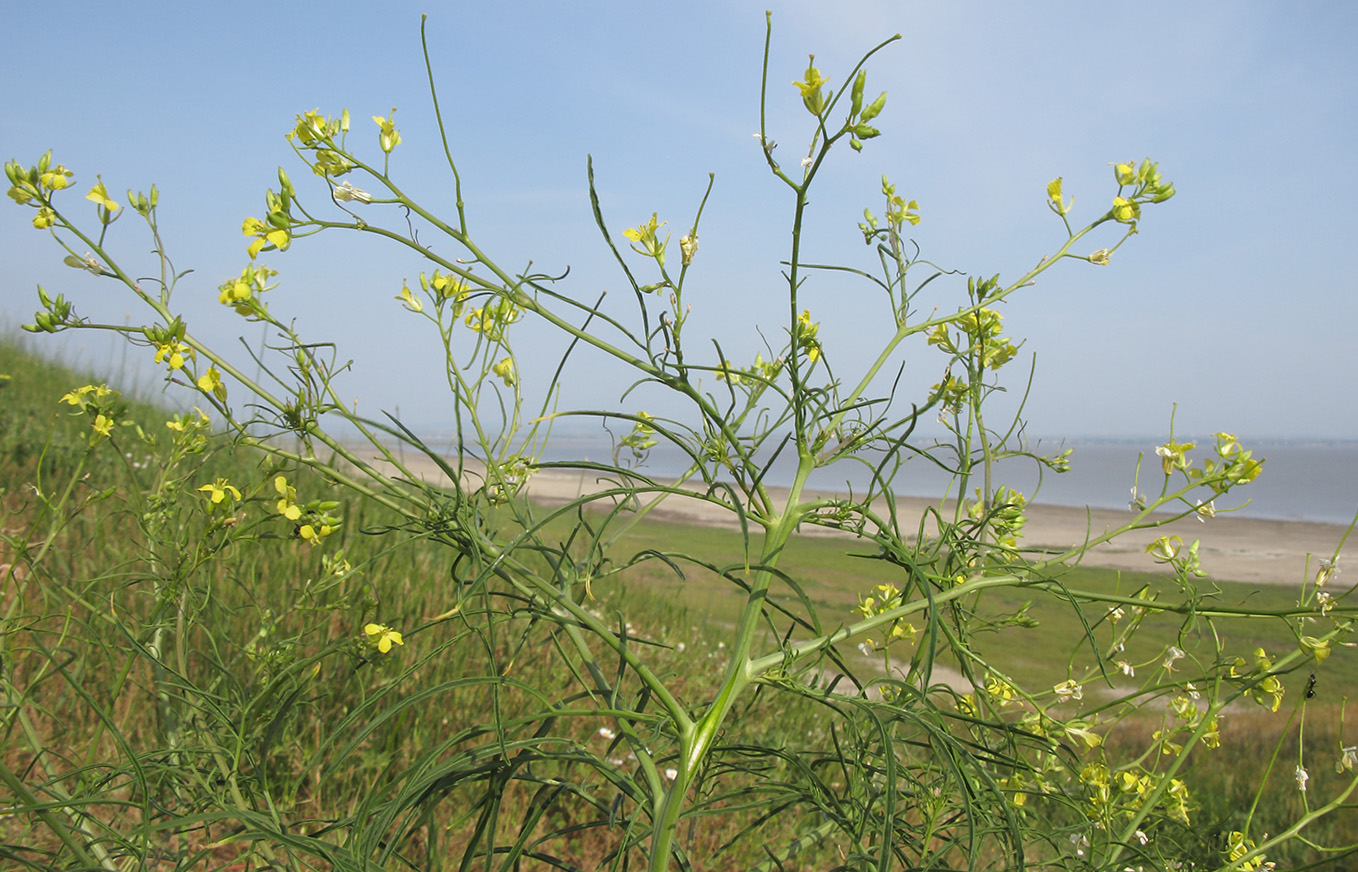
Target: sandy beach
pixel 1233 547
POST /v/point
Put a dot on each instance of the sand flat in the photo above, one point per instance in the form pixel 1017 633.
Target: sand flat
pixel 1234 547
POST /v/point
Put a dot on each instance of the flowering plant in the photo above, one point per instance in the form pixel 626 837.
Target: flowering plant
pixel 933 753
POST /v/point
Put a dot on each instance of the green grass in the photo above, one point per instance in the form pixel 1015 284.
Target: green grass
pixel 835 572
pixel 273 674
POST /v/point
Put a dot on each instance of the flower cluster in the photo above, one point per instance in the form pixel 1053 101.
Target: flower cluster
pixel 313 519
pixel 899 212
pixel 1265 688
pixel 447 289
pixel 1004 515
pixel 761 371
pixel 275 231
pixel 491 319
pixel 242 293
pixel 190 431
pixel 1238 847
pixel 887 597
pixel 99 402
pixel 317 133
pixel 641 439
pixel 1146 186
pixel 1234 465
pixel 982 329
pixel 34 187
pixel 804 336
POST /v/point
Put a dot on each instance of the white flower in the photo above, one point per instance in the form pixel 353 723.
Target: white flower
pixel 1192 691
pixel 1127 668
pixel 671 774
pixel 1349 760
pixel 1326 602
pixel 1328 570
pixel 347 193
pixel 88 262
pixel 1137 502
pixel 1206 510
pixel 806 161
pixel 1302 778
pixel 1067 690
pixel 1116 614
pixel 1172 655
pixel 607 733
pixel 1080 841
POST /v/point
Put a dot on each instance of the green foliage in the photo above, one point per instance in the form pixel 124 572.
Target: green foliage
pixel 456 674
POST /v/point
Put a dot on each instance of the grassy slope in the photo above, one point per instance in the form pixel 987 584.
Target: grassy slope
pixel 409 584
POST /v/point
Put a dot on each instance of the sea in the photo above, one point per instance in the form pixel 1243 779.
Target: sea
pixel 1302 480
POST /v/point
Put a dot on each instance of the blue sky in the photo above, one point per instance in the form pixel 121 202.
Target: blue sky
pixel 1236 301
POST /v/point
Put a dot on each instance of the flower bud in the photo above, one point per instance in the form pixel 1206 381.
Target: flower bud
pixel 874 109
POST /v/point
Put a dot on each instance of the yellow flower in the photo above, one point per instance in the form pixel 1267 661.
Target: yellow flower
pixel 312 534
pixel 1125 211
pixel 185 422
pixel 1165 548
pixel 56 179
pixel 175 353
pixel 726 373
pixel 287 505
pixel 804 331
pixel 688 247
pixel 384 636
pixel 103 424
pixel 505 370
pixel 211 383
pixel 408 298
pixel 265 234
pixel 810 88
pixel 219 490
pixel 77 396
pixel 390 137
pixel 1174 455
pixel 99 194
pixel 44 219
pixel 491 319
pixel 644 237
pixel 1057 202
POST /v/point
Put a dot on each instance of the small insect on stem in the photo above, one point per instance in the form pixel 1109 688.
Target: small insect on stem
pixel 1311 686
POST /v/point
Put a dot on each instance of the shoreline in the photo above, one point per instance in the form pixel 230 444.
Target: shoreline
pixel 1233 547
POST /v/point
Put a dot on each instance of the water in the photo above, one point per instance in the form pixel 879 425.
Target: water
pixel 1301 481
